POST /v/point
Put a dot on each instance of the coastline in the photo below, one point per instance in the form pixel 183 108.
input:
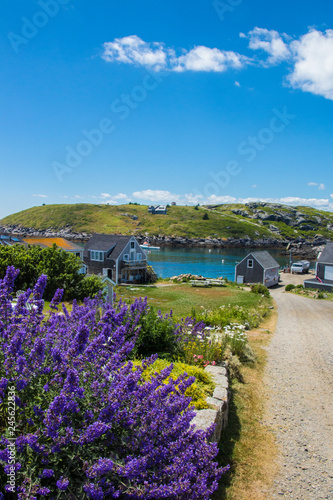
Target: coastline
pixel 300 247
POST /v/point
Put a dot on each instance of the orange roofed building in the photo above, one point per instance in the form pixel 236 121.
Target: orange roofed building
pixel 62 243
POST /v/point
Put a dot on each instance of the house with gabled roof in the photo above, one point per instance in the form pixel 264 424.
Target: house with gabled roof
pixel 120 258
pixel 324 270
pixel 258 267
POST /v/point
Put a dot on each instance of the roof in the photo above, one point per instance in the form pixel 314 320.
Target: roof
pixel 264 258
pixel 49 242
pixel 7 240
pixel 104 242
pixel 327 254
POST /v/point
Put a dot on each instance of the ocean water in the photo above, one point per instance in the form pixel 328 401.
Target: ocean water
pixel 212 263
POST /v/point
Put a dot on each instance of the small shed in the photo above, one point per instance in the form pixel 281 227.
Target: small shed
pixel 258 267
pixel 324 271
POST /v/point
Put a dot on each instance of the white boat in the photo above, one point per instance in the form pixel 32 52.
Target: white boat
pixel 149 247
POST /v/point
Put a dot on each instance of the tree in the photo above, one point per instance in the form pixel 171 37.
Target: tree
pixel 61 267
pixel 205 216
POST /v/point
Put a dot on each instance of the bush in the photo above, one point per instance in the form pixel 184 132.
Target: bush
pixel 157 335
pixel 88 425
pixel 205 216
pixel 261 289
pixel 90 286
pixel 289 287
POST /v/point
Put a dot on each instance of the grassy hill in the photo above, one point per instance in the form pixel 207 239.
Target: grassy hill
pixel 253 220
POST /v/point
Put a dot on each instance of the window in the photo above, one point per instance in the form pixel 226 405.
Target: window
pixel 126 256
pixel 139 256
pixel 250 263
pixel 94 255
pixel 132 244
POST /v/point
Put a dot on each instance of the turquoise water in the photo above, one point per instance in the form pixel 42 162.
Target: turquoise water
pixel 169 262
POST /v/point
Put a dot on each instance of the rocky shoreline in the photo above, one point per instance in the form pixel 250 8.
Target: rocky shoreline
pixel 299 246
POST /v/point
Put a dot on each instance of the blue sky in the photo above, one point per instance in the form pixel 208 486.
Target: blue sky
pixel 153 102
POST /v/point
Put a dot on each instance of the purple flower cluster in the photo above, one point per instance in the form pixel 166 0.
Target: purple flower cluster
pixel 86 421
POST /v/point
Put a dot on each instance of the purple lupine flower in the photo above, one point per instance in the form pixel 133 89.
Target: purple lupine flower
pixel 135 437
pixel 62 483
pixel 57 299
pixel 47 473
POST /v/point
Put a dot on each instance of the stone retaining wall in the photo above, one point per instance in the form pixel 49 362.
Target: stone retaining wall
pixel 220 401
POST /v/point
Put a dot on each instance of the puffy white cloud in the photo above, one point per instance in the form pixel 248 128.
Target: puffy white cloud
pixel 133 50
pixel 155 55
pixel 310 57
pixel 157 196
pixel 205 59
pixel 40 195
pixel 271 42
pixel 313 70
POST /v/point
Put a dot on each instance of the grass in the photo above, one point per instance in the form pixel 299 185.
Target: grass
pixel 182 298
pixel 180 221
pixel 248 444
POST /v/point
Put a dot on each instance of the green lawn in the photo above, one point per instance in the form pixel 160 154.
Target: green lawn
pixel 181 298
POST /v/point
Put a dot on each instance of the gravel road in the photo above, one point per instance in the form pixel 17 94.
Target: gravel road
pixel 299 377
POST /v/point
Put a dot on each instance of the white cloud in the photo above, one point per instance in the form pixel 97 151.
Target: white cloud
pixel 313 202
pixel 121 196
pixel 205 59
pixel 254 186
pixel 156 56
pixel 40 195
pixel 133 50
pixel 313 70
pixel 310 57
pixel 157 196
pixel 104 196
pixel 271 42
pixel 321 186
pixel 215 200
pixel 237 84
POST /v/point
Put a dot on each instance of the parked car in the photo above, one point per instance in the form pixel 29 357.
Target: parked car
pixel 300 267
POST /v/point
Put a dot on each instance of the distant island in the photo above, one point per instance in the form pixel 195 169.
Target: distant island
pixel 228 225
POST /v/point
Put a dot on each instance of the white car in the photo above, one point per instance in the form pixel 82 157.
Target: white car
pixel 300 267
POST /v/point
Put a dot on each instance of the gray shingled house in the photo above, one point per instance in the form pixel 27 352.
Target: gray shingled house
pixel 258 267
pixel 324 271
pixel 120 258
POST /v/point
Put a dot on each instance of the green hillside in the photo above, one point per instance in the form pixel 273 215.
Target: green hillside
pixel 253 220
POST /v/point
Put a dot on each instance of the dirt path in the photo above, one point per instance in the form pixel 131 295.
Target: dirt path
pixel 299 378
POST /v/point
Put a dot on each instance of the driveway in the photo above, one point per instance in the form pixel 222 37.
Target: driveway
pixel 299 378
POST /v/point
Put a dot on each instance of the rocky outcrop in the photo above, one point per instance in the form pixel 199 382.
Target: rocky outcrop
pixel 65 232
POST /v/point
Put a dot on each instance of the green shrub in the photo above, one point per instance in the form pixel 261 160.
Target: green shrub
pixel 90 286
pixel 156 335
pixel 261 289
pixel 289 287
pixel 300 286
pixel 205 216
